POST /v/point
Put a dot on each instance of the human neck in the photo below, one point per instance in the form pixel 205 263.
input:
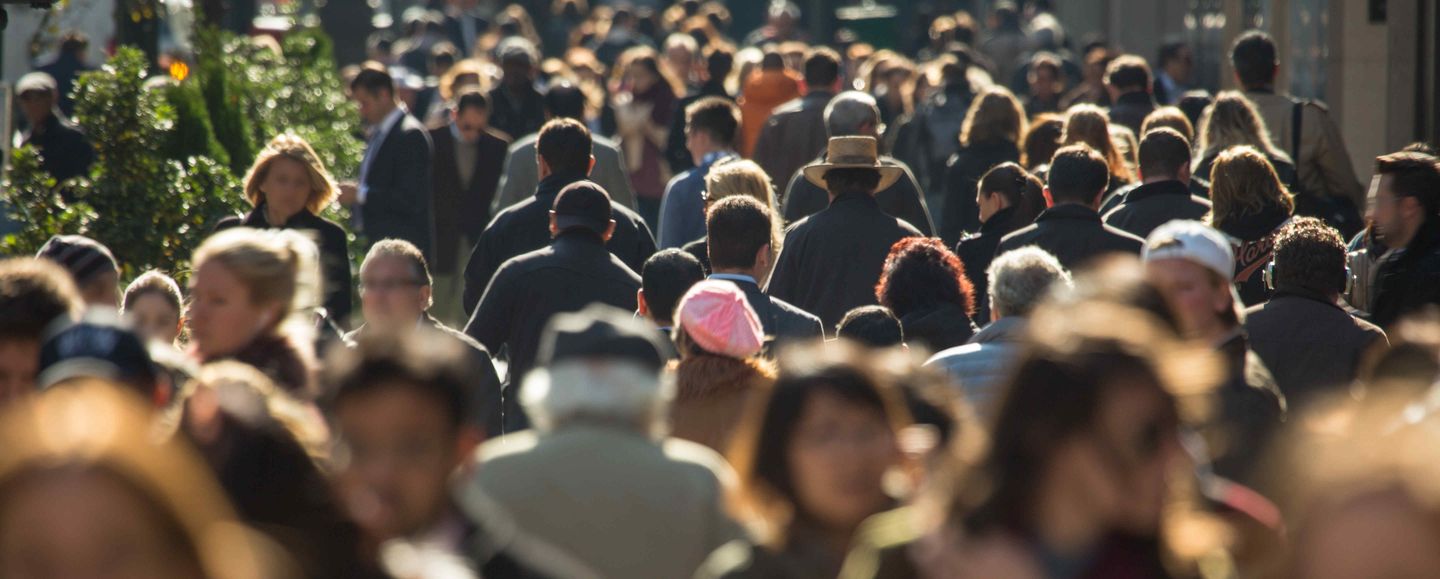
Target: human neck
pixel 275 215
pixel 1064 522
pixel 389 107
pixel 1162 179
pixel 737 271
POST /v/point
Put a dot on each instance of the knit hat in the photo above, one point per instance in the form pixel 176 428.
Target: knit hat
pixel 1193 241
pixel 716 315
pixel 83 257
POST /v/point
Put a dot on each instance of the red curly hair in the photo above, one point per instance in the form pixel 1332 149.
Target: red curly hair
pixel 920 273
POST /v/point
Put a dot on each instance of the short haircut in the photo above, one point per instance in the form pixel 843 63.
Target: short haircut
pixel 374 79
pixel 822 68
pixel 665 278
pixel 1413 175
pixel 565 101
pixel 154 282
pixel 873 326
pixel 565 143
pixel 1021 278
pixel 1170 51
pixel 34 293
pixel 849 111
pixel 1163 152
pixel 1169 117
pixel 736 228
pixel 716 116
pixel 1310 255
pixel 74 41
pixel 719 60
pixel 1255 59
pixel 1128 72
pixel 426 362
pixel 471 98
pixel 1077 174
pixel 403 250
pixel 1046 61
pixel 843 181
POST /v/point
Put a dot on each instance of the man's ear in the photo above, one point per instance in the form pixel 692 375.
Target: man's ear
pixel 642 308
pixel 609 231
pixel 427 296
pixel 591 168
pixel 543 168
pixel 1049 201
pixel 762 258
pixel 467 438
pixel 554 227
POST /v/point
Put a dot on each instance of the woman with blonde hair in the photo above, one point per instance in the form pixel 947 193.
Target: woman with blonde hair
pixel 1232 121
pixel 989 136
pixel 1251 205
pixel 736 177
pixel 1090 125
pixel 86 490
pixel 288 187
pixel 251 293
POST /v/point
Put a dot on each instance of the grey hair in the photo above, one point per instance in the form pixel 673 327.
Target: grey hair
pixel 616 393
pixel 1021 278
pixel 848 111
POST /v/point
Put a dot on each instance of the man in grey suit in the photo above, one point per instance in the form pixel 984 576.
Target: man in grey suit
pixel 393 192
pixel 563 100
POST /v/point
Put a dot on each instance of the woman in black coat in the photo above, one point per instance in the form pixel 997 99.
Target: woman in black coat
pixel 990 136
pixel 1009 198
pixel 288 187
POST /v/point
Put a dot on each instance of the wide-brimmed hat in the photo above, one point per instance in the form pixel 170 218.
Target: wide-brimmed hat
pixel 853 153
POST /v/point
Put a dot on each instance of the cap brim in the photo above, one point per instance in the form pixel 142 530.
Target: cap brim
pixel 815 174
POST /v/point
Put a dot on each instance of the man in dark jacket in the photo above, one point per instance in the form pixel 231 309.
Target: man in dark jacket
pixel 67 67
pixel 1070 229
pixel 395 296
pixel 719 60
pixel 1164 193
pixel 711 124
pixel 468 163
pixel 793 134
pixel 830 261
pixel 573 272
pixel 1404 199
pixel 64 150
pixel 516 106
pixel 740 247
pixel 1128 80
pixel 564 158
pixel 394 188
pixel 1311 344
pixel 855 114
pixel 1191 265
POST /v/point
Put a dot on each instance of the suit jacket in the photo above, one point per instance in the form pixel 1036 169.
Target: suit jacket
pixel 793 135
pixel 461 212
pixel 780 320
pixel 573 272
pixel 397 203
pixel 516 115
pixel 526 227
pixel 1074 234
pixel 1147 207
pixel 963 173
pixel 486 384
pixel 522 173
pixel 831 260
pixel 682 209
pixel 903 200
pixel 334 253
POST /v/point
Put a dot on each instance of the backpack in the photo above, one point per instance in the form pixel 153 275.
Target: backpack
pixel 1340 213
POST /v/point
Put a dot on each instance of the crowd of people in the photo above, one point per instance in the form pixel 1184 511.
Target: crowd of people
pixel 647 296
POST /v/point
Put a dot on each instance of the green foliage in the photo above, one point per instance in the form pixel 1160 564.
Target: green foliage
pixel 223 99
pixel 35 202
pixel 193 135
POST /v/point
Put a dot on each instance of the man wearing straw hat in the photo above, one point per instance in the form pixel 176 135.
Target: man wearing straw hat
pixel 831 260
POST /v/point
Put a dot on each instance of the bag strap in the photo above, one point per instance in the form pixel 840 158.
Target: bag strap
pixel 1297 111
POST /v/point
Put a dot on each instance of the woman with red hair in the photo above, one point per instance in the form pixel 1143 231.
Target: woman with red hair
pixel 925 285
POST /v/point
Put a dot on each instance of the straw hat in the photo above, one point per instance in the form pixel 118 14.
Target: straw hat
pixel 853 153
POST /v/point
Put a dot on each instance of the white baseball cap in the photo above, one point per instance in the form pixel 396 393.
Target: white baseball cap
pixel 1194 241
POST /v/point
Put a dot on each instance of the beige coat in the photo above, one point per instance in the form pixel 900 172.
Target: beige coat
pixel 1323 165
pixel 620 503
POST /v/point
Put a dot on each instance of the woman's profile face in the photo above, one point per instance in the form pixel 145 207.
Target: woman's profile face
pixel 838 456
pixel 223 319
pixel 86 524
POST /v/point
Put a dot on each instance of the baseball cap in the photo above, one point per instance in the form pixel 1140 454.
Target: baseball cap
pixel 99 345
pixel 1193 241
pixel 716 315
pixel 36 81
pixel 600 331
pixel 582 204
pixel 83 257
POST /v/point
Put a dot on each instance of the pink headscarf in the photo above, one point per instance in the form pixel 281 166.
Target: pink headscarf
pixel 717 317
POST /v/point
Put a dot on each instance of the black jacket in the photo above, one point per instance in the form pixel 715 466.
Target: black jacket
pixel 902 200
pixel 1256 237
pixel 1311 345
pixel 1406 280
pixel 1251 409
pixel 781 320
pixel 397 203
pixel 963 173
pixel 938 328
pixel 516 115
pixel 461 211
pixel 573 272
pixel 978 250
pixel 1073 234
pixel 525 226
pixel 700 248
pixel 831 260
pixel 486 383
pixel 1151 205
pixel 1131 109
pixel 334 254
pixel 676 152
pixel 65 152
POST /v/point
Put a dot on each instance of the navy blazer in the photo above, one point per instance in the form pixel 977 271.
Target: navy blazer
pixel 398 204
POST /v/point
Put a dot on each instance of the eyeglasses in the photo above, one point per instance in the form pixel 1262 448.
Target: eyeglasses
pixel 385 285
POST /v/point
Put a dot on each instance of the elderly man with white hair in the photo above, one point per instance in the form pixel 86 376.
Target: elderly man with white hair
pixel 597 477
pixel 1019 280
pixel 856 114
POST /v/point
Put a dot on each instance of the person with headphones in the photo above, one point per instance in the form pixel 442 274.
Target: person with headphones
pixel 1311 344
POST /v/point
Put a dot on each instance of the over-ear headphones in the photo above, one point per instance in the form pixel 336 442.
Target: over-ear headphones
pixel 1269 275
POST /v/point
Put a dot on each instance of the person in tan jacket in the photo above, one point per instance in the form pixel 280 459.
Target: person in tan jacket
pixel 1321 161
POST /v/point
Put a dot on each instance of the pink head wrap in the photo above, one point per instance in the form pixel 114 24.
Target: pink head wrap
pixel 718 318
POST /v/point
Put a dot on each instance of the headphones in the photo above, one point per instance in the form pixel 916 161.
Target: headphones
pixel 1269 275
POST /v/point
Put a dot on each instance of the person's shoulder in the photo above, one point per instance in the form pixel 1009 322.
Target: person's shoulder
pixel 460 336
pixel 528 142
pixel 791 310
pixel 1019 236
pixel 602 142
pixel 699 461
pixel 496 138
pixel 1122 237
pixel 511 448
pixel 228 222
pixel 1200 201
